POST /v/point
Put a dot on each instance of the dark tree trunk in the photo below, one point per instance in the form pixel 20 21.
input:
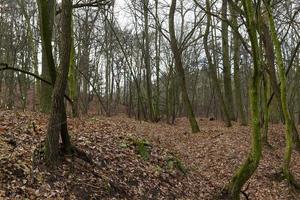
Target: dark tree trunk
pixel 177 52
pixel 58 121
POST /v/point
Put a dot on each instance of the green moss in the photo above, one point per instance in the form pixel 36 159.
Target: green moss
pixel 249 166
pixel 142 147
pixel 143 150
pixel 174 163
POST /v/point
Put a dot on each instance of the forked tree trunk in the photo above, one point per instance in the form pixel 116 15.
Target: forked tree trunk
pixel 270 57
pixel 180 71
pixel 57 121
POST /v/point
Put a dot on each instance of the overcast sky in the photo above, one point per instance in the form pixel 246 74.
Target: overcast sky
pixel 121 13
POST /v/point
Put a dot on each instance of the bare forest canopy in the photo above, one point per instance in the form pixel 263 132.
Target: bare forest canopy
pixel 157 61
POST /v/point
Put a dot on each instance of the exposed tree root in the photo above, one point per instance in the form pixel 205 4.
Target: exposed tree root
pixel 38 154
pixel 82 155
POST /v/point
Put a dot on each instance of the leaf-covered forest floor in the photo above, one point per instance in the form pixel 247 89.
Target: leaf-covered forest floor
pixel 136 160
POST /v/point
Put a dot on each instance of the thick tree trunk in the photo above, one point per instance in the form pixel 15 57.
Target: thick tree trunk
pixel 57 121
pixel 46 90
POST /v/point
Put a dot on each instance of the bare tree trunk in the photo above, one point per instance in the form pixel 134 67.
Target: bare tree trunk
pixel 57 121
pixel 237 79
pixel 270 57
pixel 213 71
pixel 249 166
pixel 157 62
pixel 177 52
pixel 147 57
pixel 226 63
pixel 46 90
pixel 289 123
pixel 265 97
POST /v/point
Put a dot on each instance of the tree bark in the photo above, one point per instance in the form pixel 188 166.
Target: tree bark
pixel 236 63
pixel 226 63
pixel 283 92
pixel 177 52
pixel 57 121
pixel 213 70
pixel 249 166
pixel 270 57
pixel 48 9
pixel 147 61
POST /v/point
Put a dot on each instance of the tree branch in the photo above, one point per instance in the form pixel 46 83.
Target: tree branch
pixel 6 67
pixel 96 4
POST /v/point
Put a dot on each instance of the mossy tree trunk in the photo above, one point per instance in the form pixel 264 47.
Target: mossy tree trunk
pixel 266 95
pixel 249 166
pixel 283 92
pixel 72 80
pixel 177 52
pixel 270 58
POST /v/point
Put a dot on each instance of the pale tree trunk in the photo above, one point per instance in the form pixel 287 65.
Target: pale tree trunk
pixel 84 63
pixel 107 66
pixel 72 81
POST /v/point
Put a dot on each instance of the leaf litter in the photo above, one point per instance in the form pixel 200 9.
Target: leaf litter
pixel 136 160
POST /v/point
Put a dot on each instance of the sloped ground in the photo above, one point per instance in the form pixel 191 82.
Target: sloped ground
pixel 180 165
